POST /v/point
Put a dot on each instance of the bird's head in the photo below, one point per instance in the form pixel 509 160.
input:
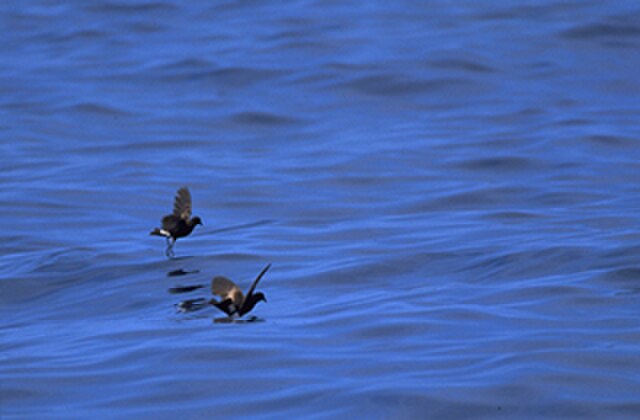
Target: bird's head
pixel 196 221
pixel 251 302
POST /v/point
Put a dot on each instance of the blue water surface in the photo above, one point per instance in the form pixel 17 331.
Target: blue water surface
pixel 448 192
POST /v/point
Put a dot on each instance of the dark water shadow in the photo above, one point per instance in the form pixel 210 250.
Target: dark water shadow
pixel 184 289
pixel 181 272
pixel 229 320
pixel 191 305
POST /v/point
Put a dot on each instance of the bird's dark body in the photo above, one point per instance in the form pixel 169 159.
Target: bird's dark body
pixel 178 227
pixel 227 306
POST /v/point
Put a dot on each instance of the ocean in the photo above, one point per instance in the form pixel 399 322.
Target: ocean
pixel 447 192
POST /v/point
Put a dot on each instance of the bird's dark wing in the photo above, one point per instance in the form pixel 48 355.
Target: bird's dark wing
pixel 227 290
pixel 227 306
pixel 170 223
pixel 255 282
pixel 182 204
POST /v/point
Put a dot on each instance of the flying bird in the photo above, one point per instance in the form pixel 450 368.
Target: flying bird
pixel 180 223
pixel 232 301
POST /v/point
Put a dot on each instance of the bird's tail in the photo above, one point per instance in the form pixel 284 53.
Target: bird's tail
pixel 157 232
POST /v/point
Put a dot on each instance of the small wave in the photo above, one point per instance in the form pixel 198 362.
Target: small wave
pixel 626 274
pixel 609 140
pixel 185 64
pixel 480 198
pixel 461 64
pixel 85 35
pixel 512 216
pixel 391 85
pixel 153 145
pixel 242 76
pixel 147 27
pixel 502 163
pixel 603 31
pixel 132 7
pixel 96 109
pixel 262 118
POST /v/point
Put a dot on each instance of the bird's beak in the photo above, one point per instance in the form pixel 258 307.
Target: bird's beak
pixel 265 299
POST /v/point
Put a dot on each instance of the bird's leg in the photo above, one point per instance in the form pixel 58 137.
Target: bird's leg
pixel 169 252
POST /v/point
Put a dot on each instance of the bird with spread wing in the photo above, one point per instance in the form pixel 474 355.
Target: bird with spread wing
pixel 178 224
pixel 232 301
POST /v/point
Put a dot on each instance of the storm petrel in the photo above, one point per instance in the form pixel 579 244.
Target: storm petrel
pixel 232 301
pixel 180 223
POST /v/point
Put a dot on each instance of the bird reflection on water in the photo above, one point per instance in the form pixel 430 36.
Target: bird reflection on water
pixel 181 272
pixel 194 305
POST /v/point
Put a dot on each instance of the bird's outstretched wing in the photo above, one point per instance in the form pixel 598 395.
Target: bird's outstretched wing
pixel 182 204
pixel 226 289
pixel 255 282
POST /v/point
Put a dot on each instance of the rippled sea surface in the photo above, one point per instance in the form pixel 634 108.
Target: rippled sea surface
pixel 448 193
